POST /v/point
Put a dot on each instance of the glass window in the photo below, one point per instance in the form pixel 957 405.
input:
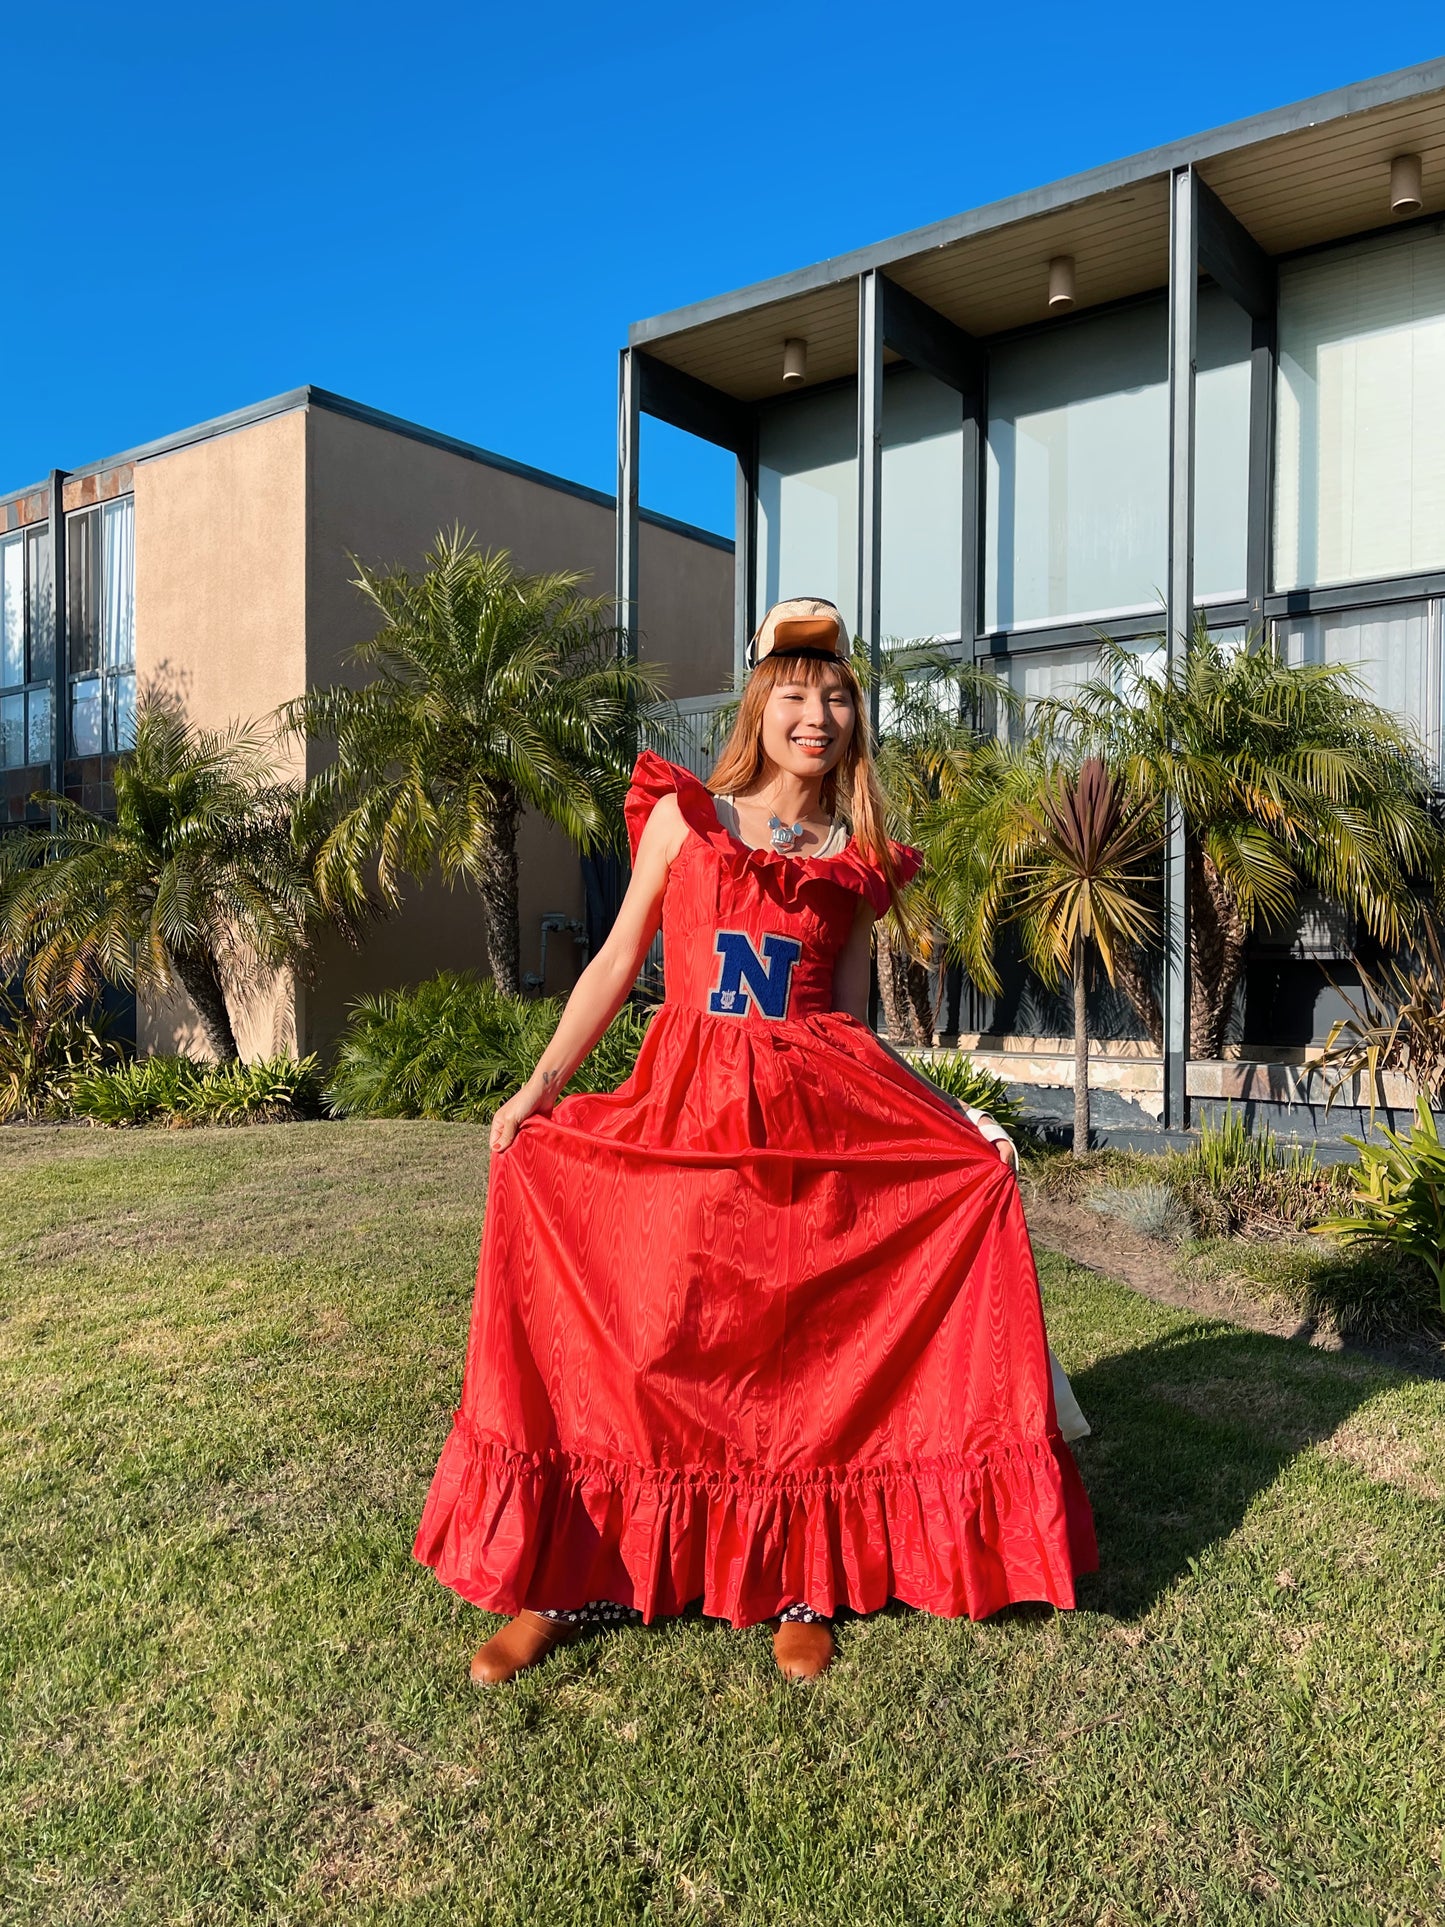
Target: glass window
pixel 808 500
pixel 100 557
pixel 921 566
pixel 12 732
pixel 12 611
pixel 1360 423
pixel 27 648
pixel 37 726
pixel 40 604
pixel 1393 651
pixel 122 713
pixel 1078 466
pixel 117 540
pixel 1077 471
pixel 85 730
pixel 83 591
pixel 1221 448
pixel 1046 673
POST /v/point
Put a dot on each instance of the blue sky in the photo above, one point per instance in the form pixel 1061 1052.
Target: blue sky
pixel 452 213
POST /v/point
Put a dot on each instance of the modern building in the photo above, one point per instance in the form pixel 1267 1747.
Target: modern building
pixel 214 565
pixel 1210 378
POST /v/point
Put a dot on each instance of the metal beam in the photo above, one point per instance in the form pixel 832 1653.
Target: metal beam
pixel 694 406
pixel 60 631
pixel 745 556
pixel 870 483
pixel 1229 252
pixel 1179 615
pixel 970 588
pixel 927 340
pixel 628 426
pixel 1262 354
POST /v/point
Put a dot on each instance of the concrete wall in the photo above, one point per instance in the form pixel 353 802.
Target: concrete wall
pixel 244 599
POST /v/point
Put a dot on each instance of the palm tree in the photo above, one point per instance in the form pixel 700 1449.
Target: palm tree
pixel 194 878
pixel 1287 777
pixel 493 690
pixel 929 705
pixel 1018 837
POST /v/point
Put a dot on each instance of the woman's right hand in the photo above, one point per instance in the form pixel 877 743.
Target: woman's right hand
pixel 537 1094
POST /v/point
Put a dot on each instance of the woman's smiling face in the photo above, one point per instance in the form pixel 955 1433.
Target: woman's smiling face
pixel 807 725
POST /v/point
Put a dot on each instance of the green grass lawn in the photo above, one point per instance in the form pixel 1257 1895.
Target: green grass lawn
pixel 229 1360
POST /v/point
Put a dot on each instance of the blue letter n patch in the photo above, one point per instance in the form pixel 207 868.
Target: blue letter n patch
pixel 766 980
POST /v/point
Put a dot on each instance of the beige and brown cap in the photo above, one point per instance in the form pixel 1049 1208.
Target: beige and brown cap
pixel 803 626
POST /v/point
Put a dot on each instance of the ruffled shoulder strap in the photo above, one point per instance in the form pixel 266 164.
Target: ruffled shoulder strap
pixel 654 777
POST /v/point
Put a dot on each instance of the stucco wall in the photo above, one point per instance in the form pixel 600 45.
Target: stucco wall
pixel 220 604
pixel 383 496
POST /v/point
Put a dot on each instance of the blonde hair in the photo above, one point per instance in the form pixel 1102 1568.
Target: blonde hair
pixel 850 788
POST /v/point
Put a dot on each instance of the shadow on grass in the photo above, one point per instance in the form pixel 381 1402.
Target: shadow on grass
pixel 1187 1431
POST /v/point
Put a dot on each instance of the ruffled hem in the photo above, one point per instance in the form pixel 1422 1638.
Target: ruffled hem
pixel 957 1537
pixel 791 877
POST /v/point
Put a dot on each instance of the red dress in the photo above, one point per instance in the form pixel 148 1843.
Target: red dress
pixel 761 1326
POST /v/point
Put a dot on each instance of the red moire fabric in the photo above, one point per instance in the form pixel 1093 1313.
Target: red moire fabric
pixel 761 1326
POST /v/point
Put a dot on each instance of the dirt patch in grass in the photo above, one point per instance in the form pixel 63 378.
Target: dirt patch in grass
pixel 1382 1449
pixel 1145 1265
pixel 1208 1283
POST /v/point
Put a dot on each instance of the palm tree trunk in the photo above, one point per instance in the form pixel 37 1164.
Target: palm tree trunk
pixel 888 996
pixel 1216 955
pixel 1081 1054
pixel 202 983
pixel 922 1015
pixel 903 993
pixel 497 886
pixel 1135 978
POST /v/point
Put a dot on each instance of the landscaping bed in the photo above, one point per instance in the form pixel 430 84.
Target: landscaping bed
pixel 227 1362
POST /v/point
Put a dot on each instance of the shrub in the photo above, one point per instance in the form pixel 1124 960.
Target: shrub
pixel 1237 1181
pixel 182 1090
pixel 1399 1197
pixel 1152 1210
pixel 956 1073
pixel 40 1060
pixel 456 1047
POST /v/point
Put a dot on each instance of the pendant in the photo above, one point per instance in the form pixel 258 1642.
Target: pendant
pixel 784 836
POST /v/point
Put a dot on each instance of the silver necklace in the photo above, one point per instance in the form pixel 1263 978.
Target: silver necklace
pixel 784 835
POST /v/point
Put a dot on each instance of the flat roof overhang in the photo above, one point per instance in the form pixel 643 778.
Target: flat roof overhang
pixel 1295 178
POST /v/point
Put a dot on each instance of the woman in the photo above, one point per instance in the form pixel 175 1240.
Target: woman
pixel 761 1328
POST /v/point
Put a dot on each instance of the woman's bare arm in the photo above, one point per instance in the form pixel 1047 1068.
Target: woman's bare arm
pixel 602 989
pixel 851 983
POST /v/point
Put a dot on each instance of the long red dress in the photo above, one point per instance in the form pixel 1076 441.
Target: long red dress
pixel 761 1326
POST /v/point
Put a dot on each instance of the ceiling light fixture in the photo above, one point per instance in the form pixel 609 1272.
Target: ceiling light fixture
pixel 795 361
pixel 1405 194
pixel 1061 284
